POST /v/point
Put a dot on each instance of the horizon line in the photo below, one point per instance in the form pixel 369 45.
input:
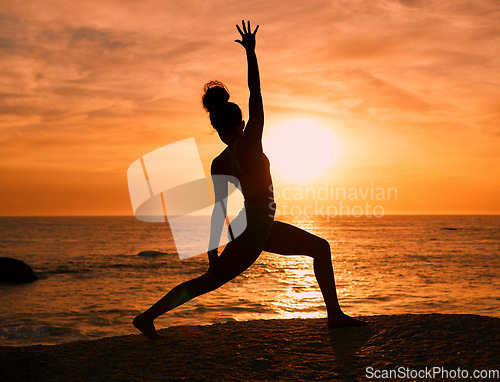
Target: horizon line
pixel 331 217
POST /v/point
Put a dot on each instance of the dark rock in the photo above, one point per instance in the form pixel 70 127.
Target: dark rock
pixel 151 253
pixel 15 271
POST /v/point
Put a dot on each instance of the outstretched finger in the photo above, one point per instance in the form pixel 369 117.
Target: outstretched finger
pixel 239 30
pixel 244 28
pixel 256 29
pixel 248 29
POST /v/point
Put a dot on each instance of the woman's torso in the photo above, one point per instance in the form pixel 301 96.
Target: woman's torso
pixel 251 167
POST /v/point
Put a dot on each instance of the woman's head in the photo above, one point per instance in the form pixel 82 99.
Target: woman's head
pixel 225 116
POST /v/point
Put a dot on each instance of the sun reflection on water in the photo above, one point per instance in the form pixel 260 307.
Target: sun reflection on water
pixel 299 295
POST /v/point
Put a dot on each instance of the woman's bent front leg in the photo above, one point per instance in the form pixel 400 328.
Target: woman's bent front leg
pixel 287 239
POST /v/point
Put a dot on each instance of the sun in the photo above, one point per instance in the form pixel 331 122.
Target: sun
pixel 301 150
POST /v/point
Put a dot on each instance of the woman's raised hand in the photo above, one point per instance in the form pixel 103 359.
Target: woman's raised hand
pixel 247 37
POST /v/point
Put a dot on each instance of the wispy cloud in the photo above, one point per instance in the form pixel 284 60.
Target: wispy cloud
pixel 98 81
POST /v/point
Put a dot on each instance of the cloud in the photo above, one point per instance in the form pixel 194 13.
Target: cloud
pixel 99 81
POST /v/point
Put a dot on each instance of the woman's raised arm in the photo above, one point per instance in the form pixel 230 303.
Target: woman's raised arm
pixel 255 123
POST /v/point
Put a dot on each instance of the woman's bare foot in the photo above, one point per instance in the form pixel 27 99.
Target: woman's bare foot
pixel 146 327
pixel 343 319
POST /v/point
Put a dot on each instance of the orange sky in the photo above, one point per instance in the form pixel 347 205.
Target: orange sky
pixel 411 89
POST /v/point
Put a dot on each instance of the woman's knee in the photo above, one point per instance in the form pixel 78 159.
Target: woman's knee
pixel 321 248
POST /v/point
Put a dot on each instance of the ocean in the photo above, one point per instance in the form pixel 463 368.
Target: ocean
pixel 94 279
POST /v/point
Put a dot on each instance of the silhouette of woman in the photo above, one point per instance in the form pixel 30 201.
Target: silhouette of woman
pixel 245 160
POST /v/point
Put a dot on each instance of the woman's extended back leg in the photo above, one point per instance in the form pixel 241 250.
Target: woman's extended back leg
pixel 286 239
pixel 233 261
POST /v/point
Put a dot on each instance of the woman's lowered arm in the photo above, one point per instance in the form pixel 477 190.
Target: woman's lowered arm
pixel 218 214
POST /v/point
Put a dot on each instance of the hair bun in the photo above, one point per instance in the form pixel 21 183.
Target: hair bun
pixel 214 93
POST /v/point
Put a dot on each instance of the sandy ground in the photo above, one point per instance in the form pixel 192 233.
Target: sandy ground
pixel 293 349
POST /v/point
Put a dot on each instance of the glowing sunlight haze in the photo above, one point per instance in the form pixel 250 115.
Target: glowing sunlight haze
pixel 301 150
